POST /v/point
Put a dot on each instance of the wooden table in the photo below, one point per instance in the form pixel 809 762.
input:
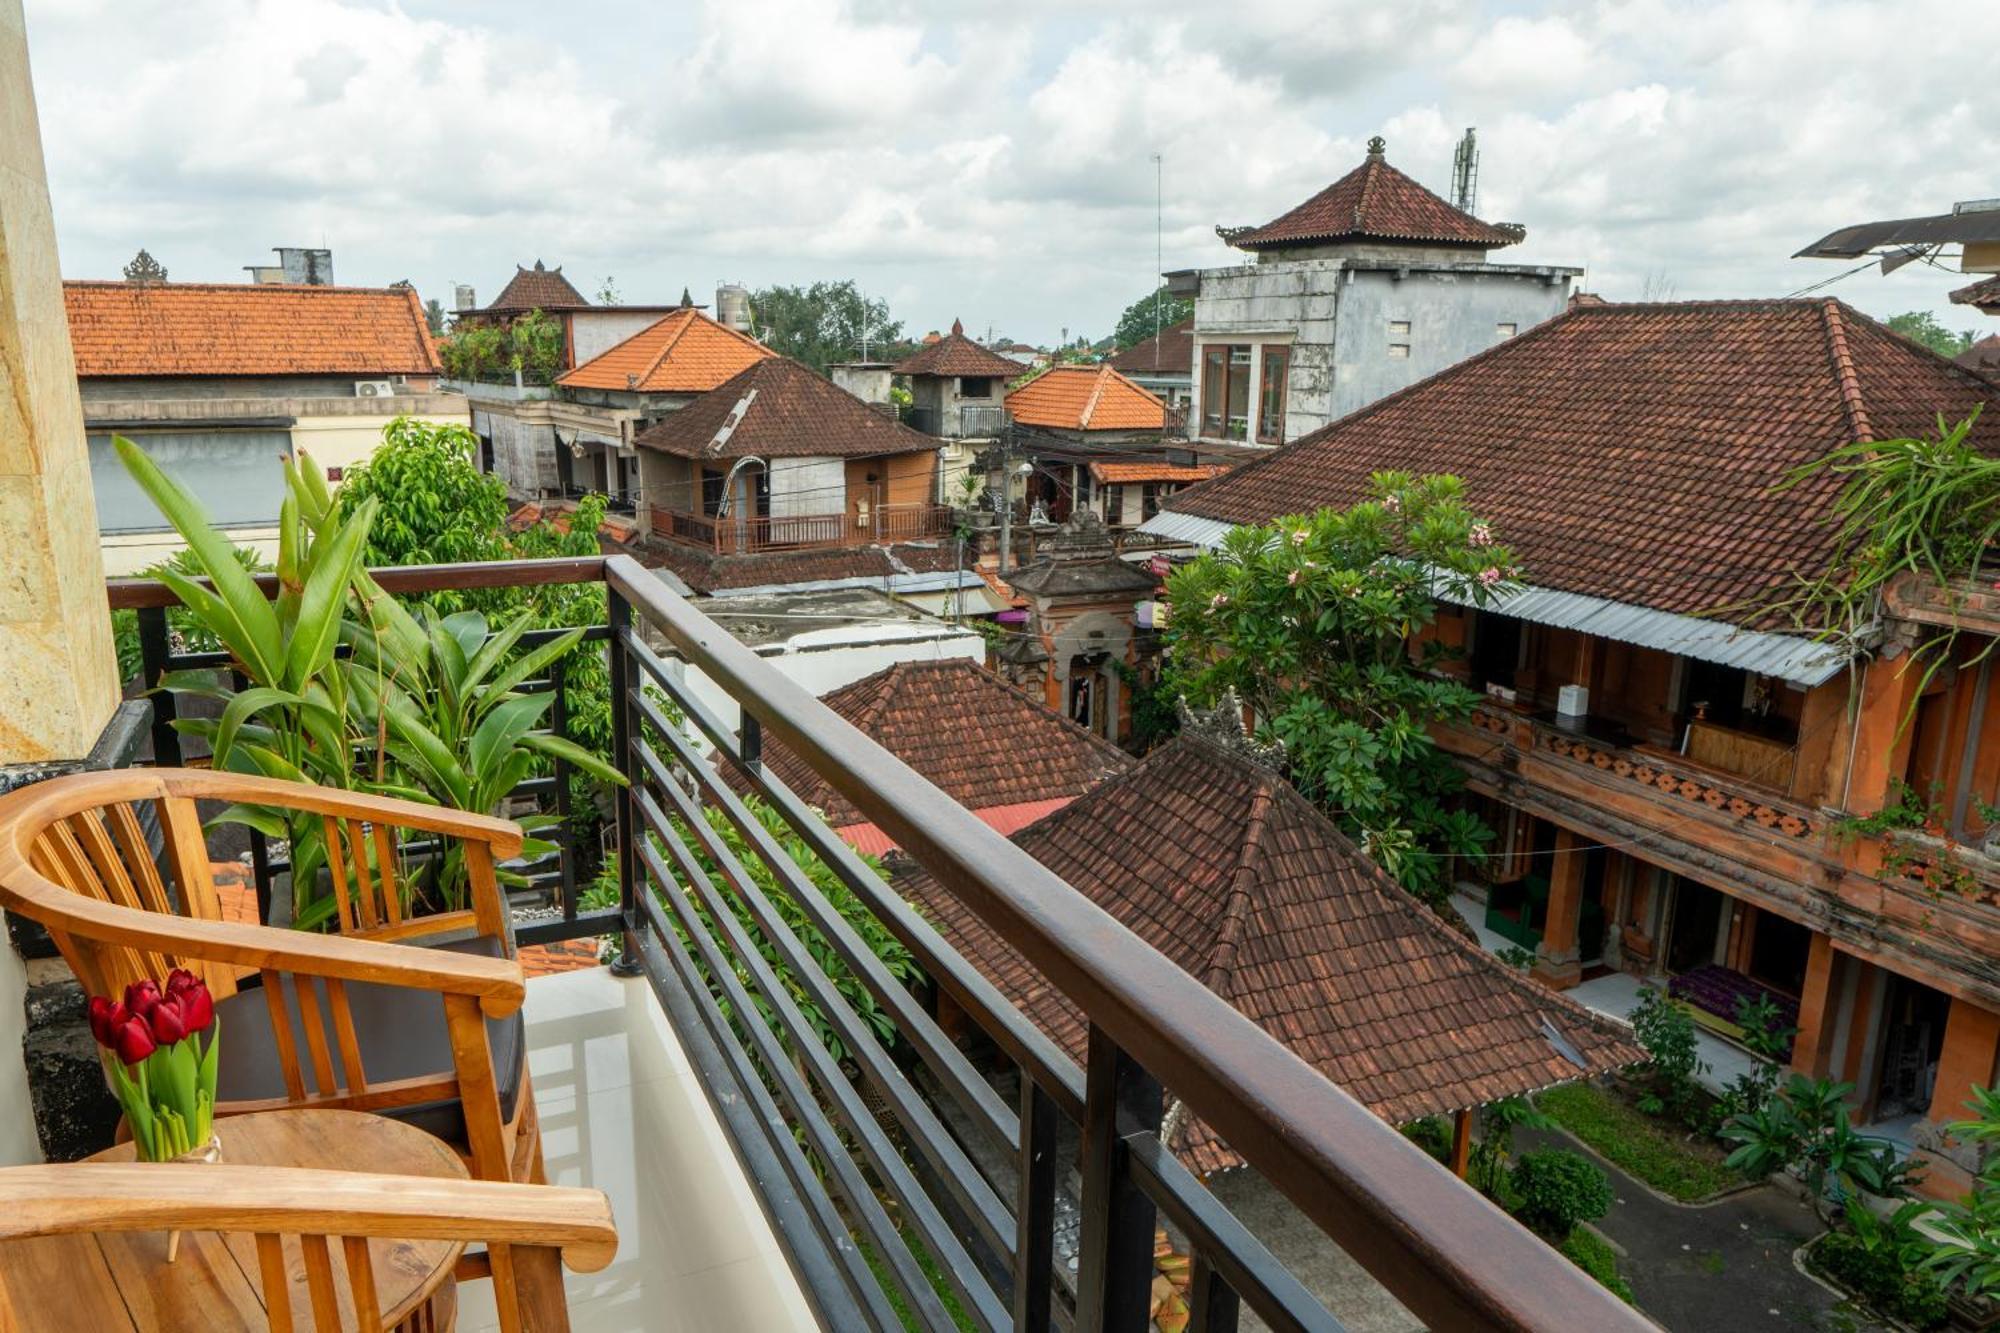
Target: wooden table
pixel 120 1282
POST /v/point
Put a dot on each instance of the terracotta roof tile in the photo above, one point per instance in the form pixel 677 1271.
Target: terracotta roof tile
pixel 1984 294
pixel 685 352
pixel 1120 474
pixel 1983 356
pixel 1085 398
pixel 956 354
pixel 984 742
pixel 1628 451
pixel 1169 352
pixel 537 288
pixel 788 410
pixel 1376 202
pixel 201 328
pixel 1219 864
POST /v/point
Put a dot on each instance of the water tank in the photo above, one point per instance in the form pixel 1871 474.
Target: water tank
pixel 462 297
pixel 732 306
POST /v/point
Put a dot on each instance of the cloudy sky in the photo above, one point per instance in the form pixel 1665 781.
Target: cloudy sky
pixel 994 161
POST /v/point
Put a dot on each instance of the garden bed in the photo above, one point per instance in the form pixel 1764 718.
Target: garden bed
pixel 1658 1152
pixel 1898 1299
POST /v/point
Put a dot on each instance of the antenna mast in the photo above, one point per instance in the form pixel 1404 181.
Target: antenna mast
pixel 1465 173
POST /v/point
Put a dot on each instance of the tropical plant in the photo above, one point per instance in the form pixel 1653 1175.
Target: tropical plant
pixel 1555 1188
pixel 1806 1128
pixel 1967 1253
pixel 1487 1160
pixel 184 632
pixel 1674 1065
pixel 1314 622
pixel 529 345
pixel 1885 1260
pixel 1767 1038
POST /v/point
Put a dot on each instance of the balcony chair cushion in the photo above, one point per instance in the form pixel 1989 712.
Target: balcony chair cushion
pixel 402 1035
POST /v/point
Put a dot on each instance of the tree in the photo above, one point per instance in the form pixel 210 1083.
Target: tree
pixel 435 507
pixel 434 316
pixel 1921 326
pixel 1313 623
pixel 825 323
pixel 1142 319
pixel 607 292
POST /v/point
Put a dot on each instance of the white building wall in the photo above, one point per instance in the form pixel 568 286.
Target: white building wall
pixel 594 332
pixel 1273 303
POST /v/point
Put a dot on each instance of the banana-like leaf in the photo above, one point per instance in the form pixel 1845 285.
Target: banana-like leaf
pixel 449 656
pixel 510 772
pixel 558 747
pixel 237 604
pixel 469 629
pixel 242 708
pixel 260 817
pixel 496 647
pixel 434 755
pixel 197 681
pixel 404 639
pixel 315 500
pixel 498 736
pixel 324 601
pixel 527 666
pixel 215 616
pixel 269 762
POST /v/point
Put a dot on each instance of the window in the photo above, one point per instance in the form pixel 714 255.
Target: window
pixel 235 473
pixel 711 492
pixel 1399 328
pixel 1225 391
pixel 1399 351
pixel 974 387
pixel 1271 394
pixel 1506 330
pixel 1149 500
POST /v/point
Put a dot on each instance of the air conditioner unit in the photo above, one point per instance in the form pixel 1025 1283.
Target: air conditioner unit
pixel 374 389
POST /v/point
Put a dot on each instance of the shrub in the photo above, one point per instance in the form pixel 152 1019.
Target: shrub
pixel 1558 1188
pixel 1806 1127
pixel 1432 1134
pixel 1667 1032
pixel 1594 1257
pixel 1878 1267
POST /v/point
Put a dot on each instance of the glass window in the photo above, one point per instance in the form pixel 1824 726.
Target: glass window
pixel 236 474
pixel 1399 328
pixel 973 387
pixel 1239 393
pixel 1399 351
pixel 1214 388
pixel 1271 394
pixel 1506 330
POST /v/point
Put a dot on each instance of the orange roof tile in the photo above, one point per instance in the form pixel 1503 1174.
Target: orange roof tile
pixel 214 328
pixel 686 352
pixel 1119 474
pixel 1086 398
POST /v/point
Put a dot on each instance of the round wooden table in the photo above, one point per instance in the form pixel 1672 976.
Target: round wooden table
pixel 122 1281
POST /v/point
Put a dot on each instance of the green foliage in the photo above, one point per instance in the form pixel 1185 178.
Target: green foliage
pixel 1432 1134
pixel 1666 1030
pixel 1148 314
pixel 1486 1162
pixel 1589 1252
pixel 1967 1255
pixel 824 323
pixel 1311 622
pixel 1806 1128
pixel 1518 958
pixel 1154 717
pixel 183 629
pixel 1770 1041
pixel 434 505
pixel 1637 1143
pixel 1921 326
pixel 530 345
pixel 1557 1188
pixel 434 317
pixel 1885 1261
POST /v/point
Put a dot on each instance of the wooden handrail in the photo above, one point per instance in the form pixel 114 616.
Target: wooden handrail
pixel 140 593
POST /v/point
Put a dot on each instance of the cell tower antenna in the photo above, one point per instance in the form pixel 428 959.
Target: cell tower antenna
pixel 1465 173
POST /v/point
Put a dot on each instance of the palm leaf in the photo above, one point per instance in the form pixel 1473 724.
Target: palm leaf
pixel 558 747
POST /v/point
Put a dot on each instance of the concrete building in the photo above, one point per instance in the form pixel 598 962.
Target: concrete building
pixel 957 386
pixel 217 381
pixel 587 330
pixel 1370 285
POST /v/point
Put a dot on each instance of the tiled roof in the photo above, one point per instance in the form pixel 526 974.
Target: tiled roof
pixel 686 352
pixel 1085 398
pixel 1628 451
pixel 538 288
pixel 1376 202
pixel 1219 864
pixel 1983 356
pixel 204 328
pixel 984 742
pixel 956 354
pixel 1169 352
pixel 1002 819
pixel 787 411
pixel 1985 294
pixel 706 572
pixel 1120 474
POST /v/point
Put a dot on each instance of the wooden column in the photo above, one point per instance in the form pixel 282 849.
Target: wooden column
pixel 1461 1142
pixel 1812 1050
pixel 1556 962
pixel 1971 1043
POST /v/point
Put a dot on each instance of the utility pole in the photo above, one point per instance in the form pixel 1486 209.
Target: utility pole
pixel 1159 251
pixel 1006 497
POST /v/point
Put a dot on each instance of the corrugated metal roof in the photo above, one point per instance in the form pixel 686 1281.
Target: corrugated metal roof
pixel 1787 656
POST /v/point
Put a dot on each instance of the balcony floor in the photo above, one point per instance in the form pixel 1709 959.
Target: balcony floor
pixel 622 1111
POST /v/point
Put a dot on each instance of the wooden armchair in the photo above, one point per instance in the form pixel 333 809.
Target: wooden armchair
pixel 416 1018
pixel 280 1225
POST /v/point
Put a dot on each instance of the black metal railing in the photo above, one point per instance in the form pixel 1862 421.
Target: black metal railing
pixel 918 1178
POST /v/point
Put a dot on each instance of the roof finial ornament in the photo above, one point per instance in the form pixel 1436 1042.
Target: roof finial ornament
pixel 1225 728
pixel 539 268
pixel 144 268
pixel 687 298
pixel 958 327
pixel 1377 146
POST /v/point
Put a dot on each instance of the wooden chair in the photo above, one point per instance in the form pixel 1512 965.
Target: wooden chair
pixel 282 1223
pixel 413 1017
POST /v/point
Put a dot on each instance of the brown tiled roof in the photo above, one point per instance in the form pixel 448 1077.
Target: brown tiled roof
pixel 956 354
pixel 1219 864
pixel 1085 398
pixel 984 742
pixel 788 411
pixel 1376 202
pixel 538 288
pixel 1985 294
pixel 1168 352
pixel 1983 356
pixel 1628 451
pixel 707 572
pixel 1120 474
pixel 686 352
pixel 212 328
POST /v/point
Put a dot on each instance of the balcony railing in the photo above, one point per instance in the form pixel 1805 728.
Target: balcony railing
pixel 732 534
pixel 873 1142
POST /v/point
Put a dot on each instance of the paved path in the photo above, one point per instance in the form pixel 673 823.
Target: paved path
pixel 1724 1267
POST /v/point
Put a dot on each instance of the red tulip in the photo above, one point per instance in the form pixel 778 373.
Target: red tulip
pixel 165 1020
pixel 105 1018
pixel 197 1007
pixel 133 1041
pixel 141 996
pixel 180 981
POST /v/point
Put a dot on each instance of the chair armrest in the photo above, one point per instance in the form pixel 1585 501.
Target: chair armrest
pixel 137 1196
pixel 498 983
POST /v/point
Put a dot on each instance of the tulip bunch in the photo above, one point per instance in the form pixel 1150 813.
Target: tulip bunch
pixel 159 1068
